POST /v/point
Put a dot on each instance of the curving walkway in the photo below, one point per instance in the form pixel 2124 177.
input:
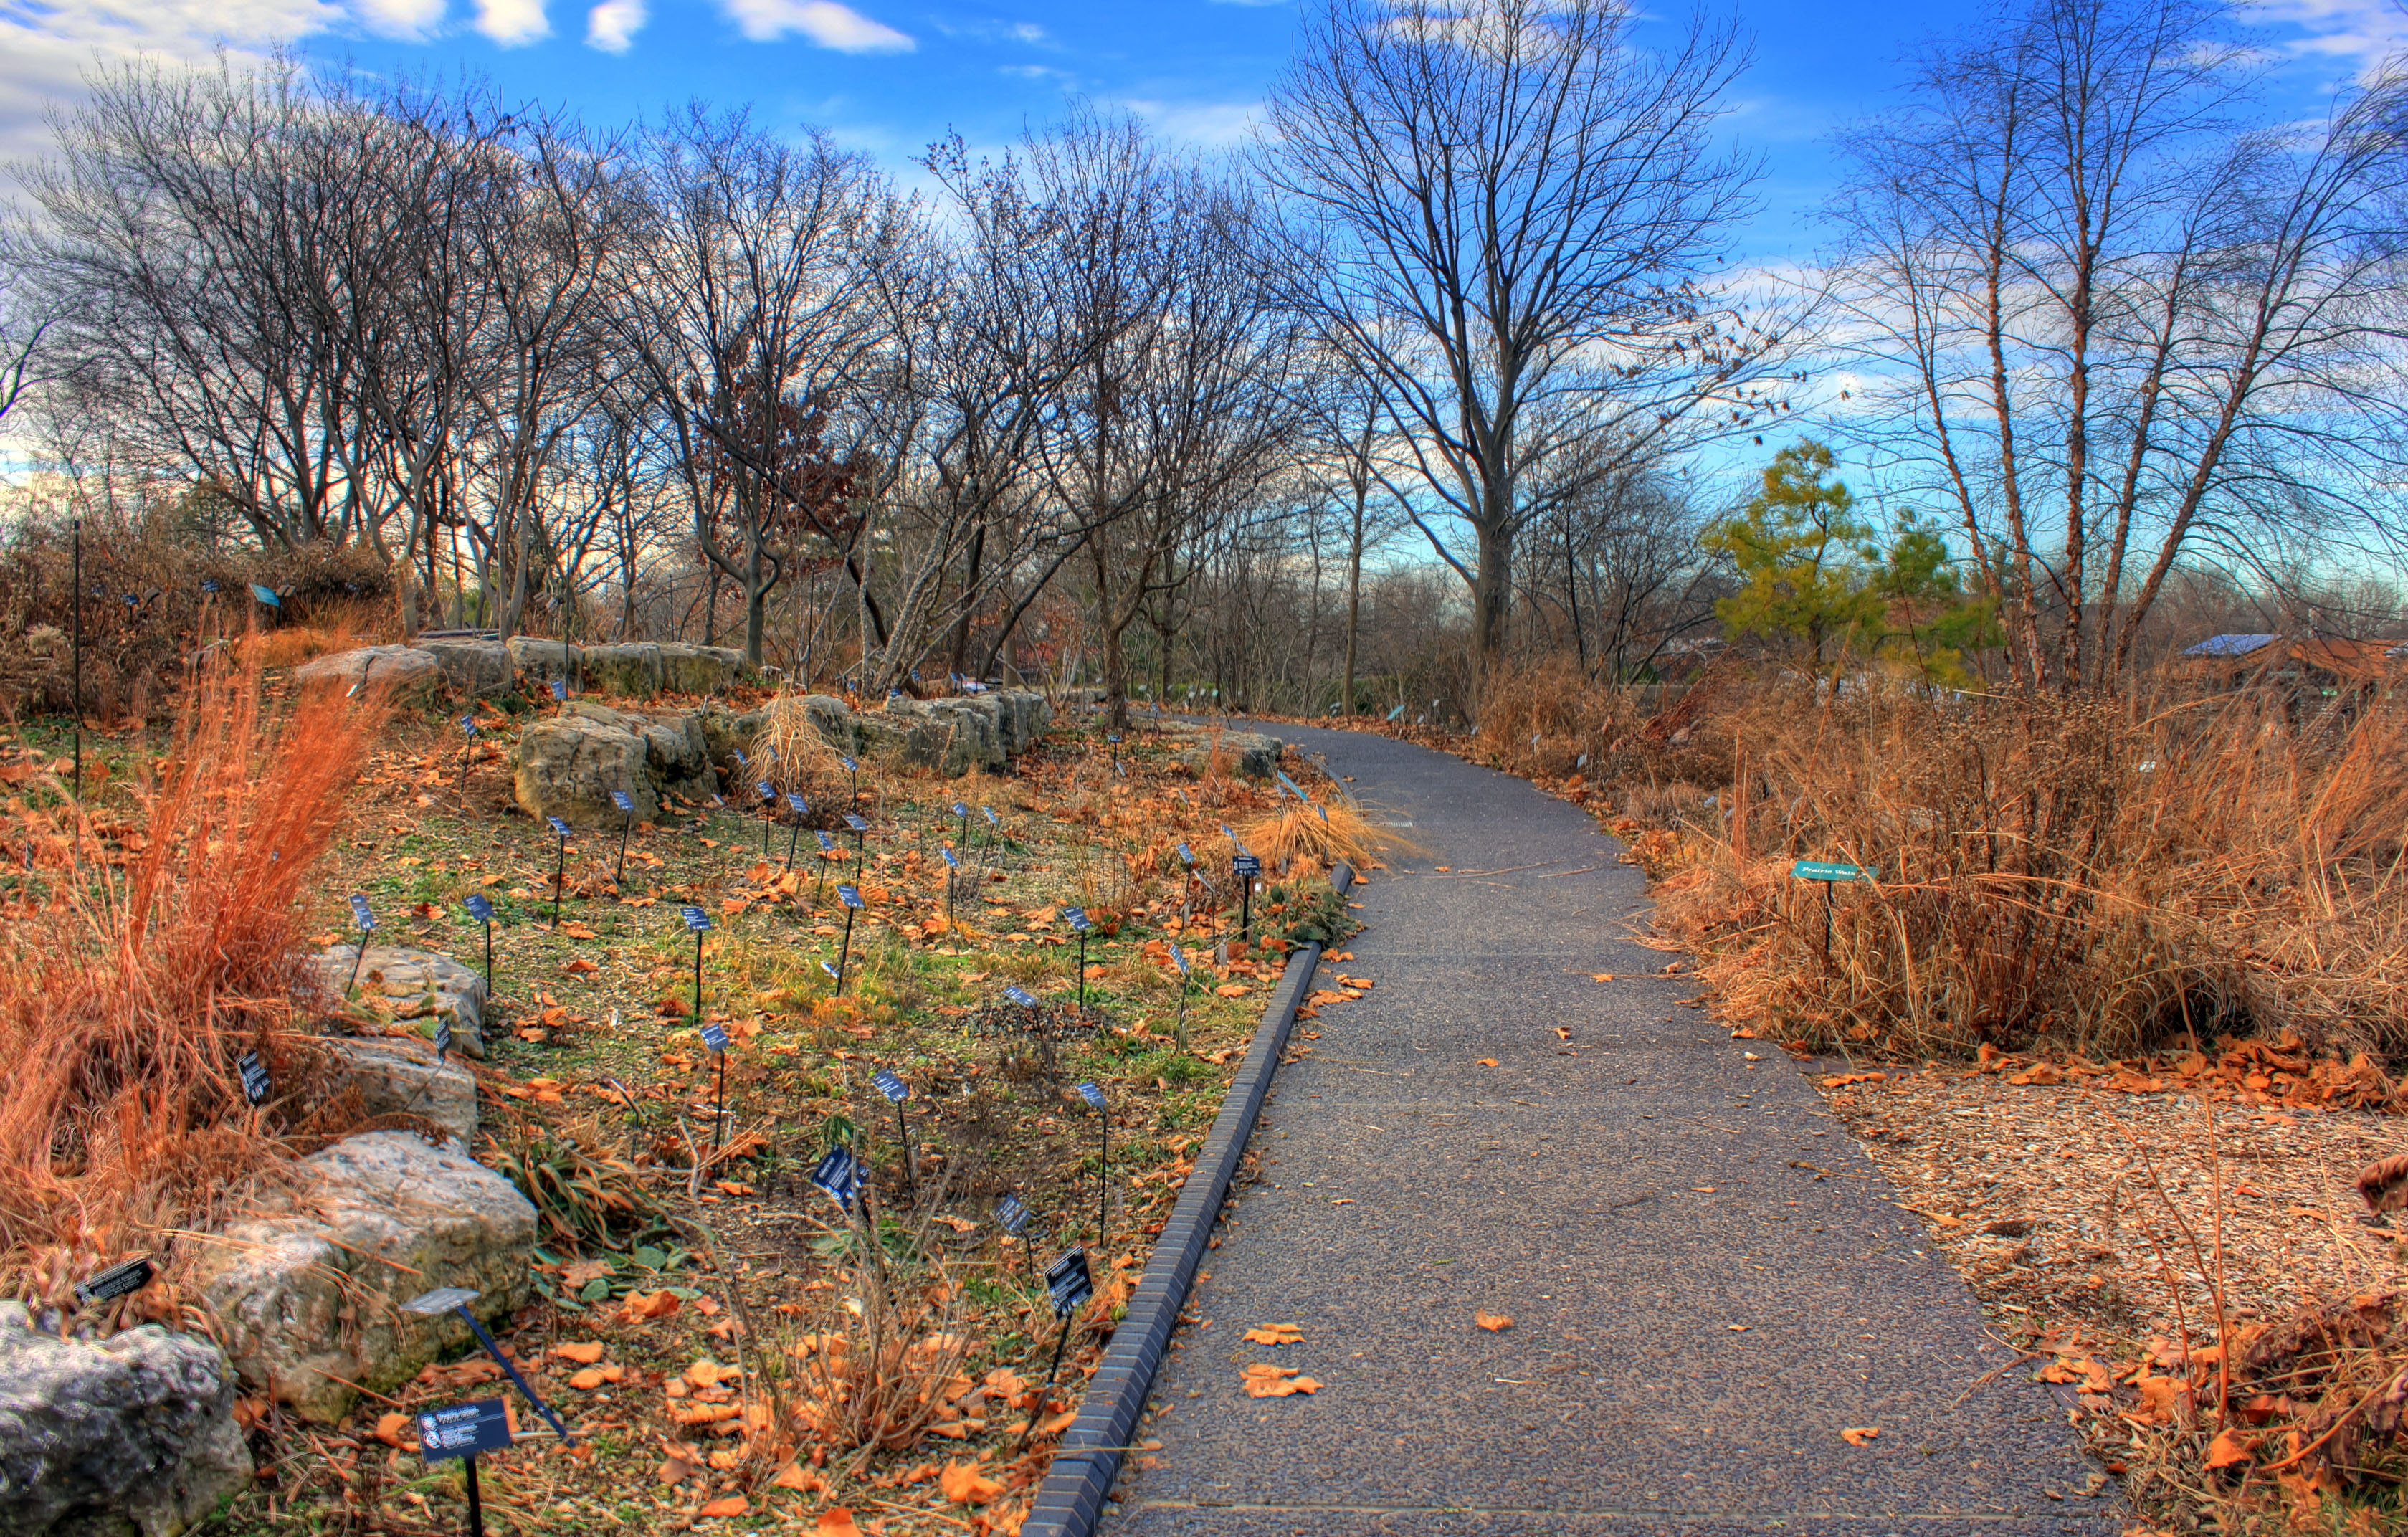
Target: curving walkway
pixel 1696 1318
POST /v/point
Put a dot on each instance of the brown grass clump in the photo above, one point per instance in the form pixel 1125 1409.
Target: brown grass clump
pixel 798 757
pixel 1320 835
pixel 126 1000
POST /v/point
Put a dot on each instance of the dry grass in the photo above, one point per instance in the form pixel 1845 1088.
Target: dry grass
pixel 149 966
pixel 798 758
pixel 2093 876
pixel 1295 838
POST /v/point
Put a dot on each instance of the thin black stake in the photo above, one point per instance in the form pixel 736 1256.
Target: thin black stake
pixel 476 1509
pixel 489 957
pixel 911 1169
pixel 1082 970
pixel 559 873
pixel 1103 1170
pixel 792 839
pixel 844 954
pixel 362 955
pixel 698 973
pixel 1038 1410
pixel 719 1125
pixel 1827 926
pixel 619 876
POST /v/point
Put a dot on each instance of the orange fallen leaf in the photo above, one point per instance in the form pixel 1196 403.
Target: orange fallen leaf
pixel 1860 1434
pixel 794 1475
pixel 589 1379
pixel 1494 1323
pixel 1265 1381
pixel 1562 1034
pixel 583 1352
pixel 580 967
pixel 576 931
pixel 1841 1080
pixel 964 1485
pixel 837 1522
pixel 2226 1450
pixel 1275 1334
pixel 1231 989
pixel 390 1427
pixel 1601 976
pixel 1488 1061
pixel 735 1504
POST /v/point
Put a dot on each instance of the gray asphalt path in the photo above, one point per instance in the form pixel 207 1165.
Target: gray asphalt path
pixel 1696 1318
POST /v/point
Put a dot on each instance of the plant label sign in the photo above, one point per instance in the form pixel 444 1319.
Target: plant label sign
pixel 115 1282
pixel 1019 997
pixel 766 790
pixel 951 861
pixel 479 907
pixel 891 1085
pixel 559 689
pixel 849 896
pixel 991 820
pixel 255 1084
pixel 1077 918
pixel 960 810
pixel 1179 956
pixel 838 1174
pixel 738 754
pixel 714 1040
pixel 798 805
pixel 1013 1214
pixel 443 1038
pixel 1068 1281
pixel 464 1429
pixel 850 767
pixel 468 725
pixel 559 828
pixel 1094 1096
pixel 697 920
pixel 362 919
pixel 621 799
pixel 1820 869
pixel 856 824
pixel 829 967
pixel 1396 713
pixel 1246 865
pixel 1187 855
pixel 827 844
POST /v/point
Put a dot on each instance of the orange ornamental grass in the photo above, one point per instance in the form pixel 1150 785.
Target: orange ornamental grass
pixel 126 998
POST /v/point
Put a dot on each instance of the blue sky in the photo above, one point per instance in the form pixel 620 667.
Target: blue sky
pixel 888 76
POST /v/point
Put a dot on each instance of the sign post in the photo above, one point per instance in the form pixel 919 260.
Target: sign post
pixel 714 1040
pixel 853 795
pixel 1077 918
pixel 1094 1098
pixel 626 805
pixel 481 910
pixel 1178 1030
pixel 467 750
pixel 1829 874
pixel 891 1085
pixel 255 1084
pixel 851 898
pixel 768 793
pixel 1246 867
pixel 827 847
pixel 860 836
pixel 365 921
pixel 464 1430
pixel 698 922
pixel 801 809
pixel 953 871
pixel 1071 1284
pixel 120 1280
pixel 963 811
pixel 1012 1212
pixel 560 865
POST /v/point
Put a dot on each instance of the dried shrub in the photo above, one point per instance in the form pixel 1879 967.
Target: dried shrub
pixel 154 963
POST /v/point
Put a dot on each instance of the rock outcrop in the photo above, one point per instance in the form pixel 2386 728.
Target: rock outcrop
pixel 1252 755
pixel 131 1434
pixel 569 764
pixel 952 736
pixel 400 1076
pixel 308 1293
pixel 413 986
pixel 411 674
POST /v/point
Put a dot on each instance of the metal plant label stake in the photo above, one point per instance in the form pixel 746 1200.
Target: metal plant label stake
pixel 714 1040
pixel 801 809
pixel 1012 1212
pixel 1094 1098
pixel 891 1085
pixel 464 1430
pixel 1829 874
pixel 626 805
pixel 1077 918
pixel 560 868
pixel 853 795
pixel 851 898
pixel 1178 1030
pixel 827 847
pixel 255 1084
pixel 768 793
pixel 698 922
pixel 467 750
pixel 481 909
pixel 1069 1283
pixel 1246 867
pixel 953 871
pixel 120 1280
pixel 365 921
pixel 860 834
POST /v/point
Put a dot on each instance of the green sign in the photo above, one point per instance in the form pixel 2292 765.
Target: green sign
pixel 1819 869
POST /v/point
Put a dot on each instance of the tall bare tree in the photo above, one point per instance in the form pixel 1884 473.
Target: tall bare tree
pixel 2104 305
pixel 1508 212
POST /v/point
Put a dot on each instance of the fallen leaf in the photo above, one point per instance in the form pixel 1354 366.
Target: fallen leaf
pixel 580 967
pixel 389 1428
pixel 735 1504
pixel 1231 989
pixel 1264 1381
pixel 1488 1061
pixel 2226 1450
pixel 837 1522
pixel 794 1475
pixel 1275 1334
pixel 589 1379
pixel 1860 1434
pixel 1841 1080
pixel 583 1352
pixel 1736 1329
pixel 579 1271
pixel 1496 1323
pixel 964 1485
pixel 1601 976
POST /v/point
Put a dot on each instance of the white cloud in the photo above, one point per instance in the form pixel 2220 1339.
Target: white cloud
pixel 2363 32
pixel 823 22
pixel 1211 126
pixel 512 22
pixel 410 20
pixel 612 25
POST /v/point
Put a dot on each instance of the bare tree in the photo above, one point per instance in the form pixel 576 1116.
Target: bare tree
pixel 2101 307
pixel 1507 212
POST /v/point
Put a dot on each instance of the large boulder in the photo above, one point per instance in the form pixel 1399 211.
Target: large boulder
pixel 308 1293
pixel 406 672
pixel 569 764
pixel 131 1434
pixel 415 986
pixel 630 670
pixel 538 661
pixel 402 1076
pixel 699 669
pixel 476 669
pixel 954 735
pixel 1251 754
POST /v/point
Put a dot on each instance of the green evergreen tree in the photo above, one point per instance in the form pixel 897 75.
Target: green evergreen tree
pixel 1803 559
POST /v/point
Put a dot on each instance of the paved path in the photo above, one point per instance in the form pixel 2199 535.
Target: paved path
pixel 1627 1196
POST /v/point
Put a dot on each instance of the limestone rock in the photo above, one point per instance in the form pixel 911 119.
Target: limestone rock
pixel 1251 754
pixel 567 765
pixel 631 670
pixel 954 735
pixel 401 1076
pixel 537 660
pixel 308 1293
pixel 409 672
pixel 699 669
pixel 131 1434
pixel 414 985
pixel 476 669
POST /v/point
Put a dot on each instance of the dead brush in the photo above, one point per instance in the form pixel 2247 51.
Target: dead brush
pixel 1293 835
pixel 789 752
pixel 124 1006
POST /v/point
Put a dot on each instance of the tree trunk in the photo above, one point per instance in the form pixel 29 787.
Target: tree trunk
pixel 1492 593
